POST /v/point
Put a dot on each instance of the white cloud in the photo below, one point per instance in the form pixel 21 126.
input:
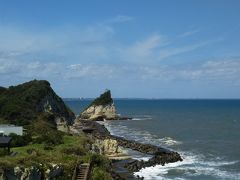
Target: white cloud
pixel 9 67
pixel 78 43
pixel 156 48
pixel 120 19
pixel 169 52
pixel 66 53
pixel 189 33
pixel 220 71
pixel 146 47
pixel 97 43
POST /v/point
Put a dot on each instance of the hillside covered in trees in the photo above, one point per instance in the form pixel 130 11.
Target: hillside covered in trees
pixel 23 103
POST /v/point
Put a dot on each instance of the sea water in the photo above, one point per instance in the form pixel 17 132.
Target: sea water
pixel 205 132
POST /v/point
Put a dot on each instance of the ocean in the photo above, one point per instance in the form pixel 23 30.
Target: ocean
pixel 205 132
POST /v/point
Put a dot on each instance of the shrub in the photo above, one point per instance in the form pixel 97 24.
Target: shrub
pixel 48 147
pixel 51 138
pixel 74 151
pixel 45 132
pixel 18 140
pixel 3 152
pixel 100 161
pixel 100 174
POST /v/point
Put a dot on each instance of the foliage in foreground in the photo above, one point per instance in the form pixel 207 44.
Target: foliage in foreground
pixel 72 151
pixel 100 168
pixel 36 154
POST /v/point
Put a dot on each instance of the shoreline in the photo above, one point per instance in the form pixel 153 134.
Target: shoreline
pixel 160 155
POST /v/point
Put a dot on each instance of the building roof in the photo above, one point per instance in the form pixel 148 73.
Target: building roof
pixel 5 140
pixel 8 125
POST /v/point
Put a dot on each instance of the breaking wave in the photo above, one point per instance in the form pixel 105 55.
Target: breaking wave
pixel 140 135
pixel 143 117
pixel 192 166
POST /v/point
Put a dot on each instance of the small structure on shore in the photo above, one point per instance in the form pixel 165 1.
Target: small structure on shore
pixel 5 142
pixel 7 129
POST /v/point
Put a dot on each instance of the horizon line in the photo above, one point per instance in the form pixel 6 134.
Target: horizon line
pixel 139 98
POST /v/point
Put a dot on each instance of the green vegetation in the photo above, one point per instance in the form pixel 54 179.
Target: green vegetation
pixel 22 104
pixel 100 174
pixel 43 131
pixel 3 121
pixel 103 99
pixel 3 152
pixel 100 168
pixel 18 141
pixel 35 155
pixel 42 145
pixel 73 150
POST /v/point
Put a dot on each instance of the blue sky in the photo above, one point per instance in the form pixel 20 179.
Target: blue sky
pixel 137 48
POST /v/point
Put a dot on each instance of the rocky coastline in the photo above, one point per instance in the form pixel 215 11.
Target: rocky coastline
pixel 159 155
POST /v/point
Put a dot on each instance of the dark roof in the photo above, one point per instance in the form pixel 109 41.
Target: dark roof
pixel 5 140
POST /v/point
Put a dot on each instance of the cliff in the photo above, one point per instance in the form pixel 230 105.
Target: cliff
pixel 101 108
pixel 24 103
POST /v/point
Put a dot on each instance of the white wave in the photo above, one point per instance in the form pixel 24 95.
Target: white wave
pixel 140 135
pixel 220 163
pixel 191 166
pixel 139 158
pixel 140 119
pixel 169 141
pixel 143 117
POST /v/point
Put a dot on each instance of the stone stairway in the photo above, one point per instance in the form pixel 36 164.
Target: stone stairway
pixel 83 172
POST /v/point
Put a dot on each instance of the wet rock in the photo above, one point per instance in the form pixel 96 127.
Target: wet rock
pixel 160 155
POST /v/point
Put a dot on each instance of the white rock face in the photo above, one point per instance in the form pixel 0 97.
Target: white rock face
pixel 95 112
pixel 51 103
pixel 106 147
pixel 110 148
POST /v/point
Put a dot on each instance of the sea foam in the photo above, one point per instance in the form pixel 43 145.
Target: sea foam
pixel 191 166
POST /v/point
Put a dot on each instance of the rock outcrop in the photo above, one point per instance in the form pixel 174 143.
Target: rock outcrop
pixel 101 108
pixel 32 173
pixel 106 147
pixel 160 155
pixel 23 104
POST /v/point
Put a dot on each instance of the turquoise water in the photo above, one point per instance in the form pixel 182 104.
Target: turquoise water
pixel 205 132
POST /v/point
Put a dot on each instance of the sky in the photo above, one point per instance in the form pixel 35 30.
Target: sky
pixel 137 48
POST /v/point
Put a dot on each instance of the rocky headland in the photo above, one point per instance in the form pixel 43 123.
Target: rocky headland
pixel 24 103
pixel 102 108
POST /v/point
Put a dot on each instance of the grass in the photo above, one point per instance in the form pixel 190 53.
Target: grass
pixel 65 154
pixel 73 150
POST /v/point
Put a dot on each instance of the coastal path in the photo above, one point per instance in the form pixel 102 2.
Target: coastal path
pixel 82 172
